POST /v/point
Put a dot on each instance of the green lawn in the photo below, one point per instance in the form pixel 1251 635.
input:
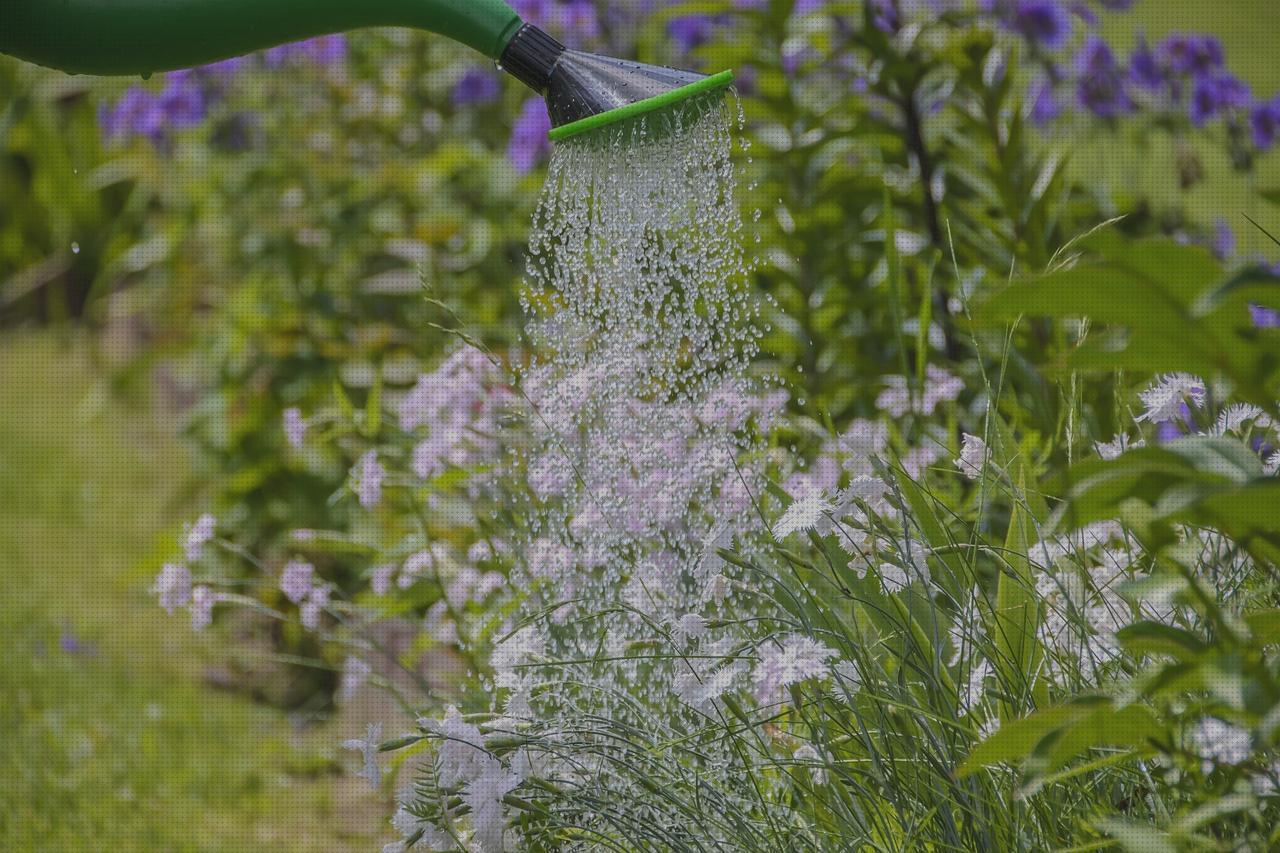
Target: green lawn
pixel 108 738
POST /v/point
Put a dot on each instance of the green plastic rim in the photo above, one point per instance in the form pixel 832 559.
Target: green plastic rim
pixel 707 84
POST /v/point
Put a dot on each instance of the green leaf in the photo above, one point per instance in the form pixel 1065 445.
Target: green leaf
pixel 1154 638
pixel 1016 613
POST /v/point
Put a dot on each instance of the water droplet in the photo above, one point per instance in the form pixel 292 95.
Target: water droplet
pixel 75 248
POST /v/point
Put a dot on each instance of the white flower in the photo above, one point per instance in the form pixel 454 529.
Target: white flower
pixel 690 626
pixel 354 674
pixel 917 459
pixel 1048 551
pixel 516 649
pixel 699 684
pixel 785 661
pixel 893 577
pixel 483 795
pixel 380 578
pixel 808 513
pixel 939 386
pixel 173 586
pixel 1116 446
pixel 872 491
pixel 439 625
pixel 1220 742
pixel 315 604
pixel 202 601
pixel 409 824
pixel 808 755
pixel 295 428
pixel 200 533
pixel 369 475
pixel 295 580
pixel 1234 418
pixel 975 688
pixel 864 438
pixel 974 455
pixel 461 755
pixel 1165 397
pixel 368 747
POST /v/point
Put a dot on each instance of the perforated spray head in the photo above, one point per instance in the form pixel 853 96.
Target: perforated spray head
pixel 585 91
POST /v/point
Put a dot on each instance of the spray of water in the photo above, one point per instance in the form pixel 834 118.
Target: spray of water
pixel 639 464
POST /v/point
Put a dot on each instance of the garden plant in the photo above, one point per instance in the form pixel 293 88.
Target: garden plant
pixel 881 455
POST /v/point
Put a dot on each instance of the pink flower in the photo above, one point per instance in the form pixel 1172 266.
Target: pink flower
pixel 295 428
pixel 295 580
pixel 173 586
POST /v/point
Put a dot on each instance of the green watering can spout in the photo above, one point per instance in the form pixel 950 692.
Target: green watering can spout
pixel 139 37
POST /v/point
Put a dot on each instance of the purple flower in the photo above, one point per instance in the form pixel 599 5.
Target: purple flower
pixel 1046 102
pixel 529 142
pixel 1224 241
pixel 1042 22
pixel 1265 123
pixel 807 7
pixel 884 15
pixel 295 580
pixel 138 112
pixel 477 86
pixel 326 50
pixel 323 50
pixel 1216 94
pixel 225 68
pixel 1101 85
pixel 690 31
pixel 1264 317
pixel 534 11
pixel 579 20
pixel 182 100
pixel 1191 53
pixel 1175 427
pixel 1144 68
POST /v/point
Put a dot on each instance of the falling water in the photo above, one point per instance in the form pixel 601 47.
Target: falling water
pixel 643 415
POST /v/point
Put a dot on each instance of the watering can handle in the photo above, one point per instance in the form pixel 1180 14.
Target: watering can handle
pixel 141 36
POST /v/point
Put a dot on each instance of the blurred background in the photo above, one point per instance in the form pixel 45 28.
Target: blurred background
pixel 184 259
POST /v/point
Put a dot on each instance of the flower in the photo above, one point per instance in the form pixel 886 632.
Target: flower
pixel 1166 397
pixel 476 87
pixel 1213 95
pixel 483 796
pixel 1191 53
pixel 808 513
pixel 173 586
pixel 310 611
pixel 529 142
pixel 199 534
pixel 295 580
pixel 1264 122
pixel 295 428
pixel 974 455
pixel 1116 446
pixel 691 31
pixel 939 386
pixel 1041 22
pixel 1145 69
pixel 461 756
pixel 369 475
pixel 785 661
pixel 202 601
pixel 1101 85
pixel 368 746
pixel 1220 742
pixel 354 674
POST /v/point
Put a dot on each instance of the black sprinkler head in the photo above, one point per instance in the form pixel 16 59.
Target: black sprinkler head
pixel 585 91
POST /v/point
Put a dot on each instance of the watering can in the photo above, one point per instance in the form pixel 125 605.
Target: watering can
pixel 583 91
